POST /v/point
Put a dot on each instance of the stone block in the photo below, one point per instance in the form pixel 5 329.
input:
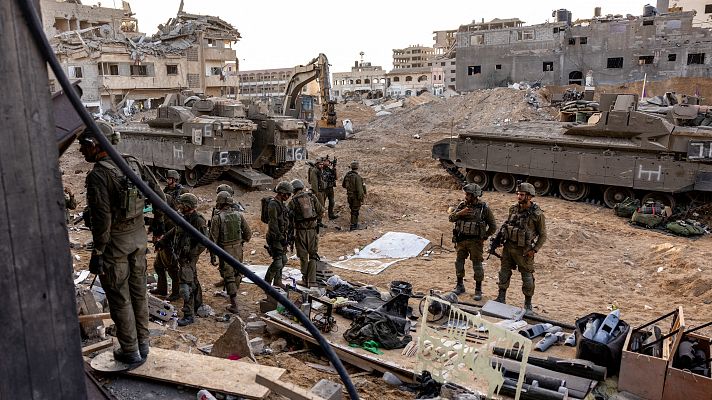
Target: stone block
pixel 328 390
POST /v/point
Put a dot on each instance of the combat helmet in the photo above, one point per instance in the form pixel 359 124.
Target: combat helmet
pixel 354 164
pixel 527 188
pixel 297 185
pixel 173 174
pixel 224 197
pixel 106 129
pixel 189 200
pixel 473 188
pixel 284 187
pixel 225 188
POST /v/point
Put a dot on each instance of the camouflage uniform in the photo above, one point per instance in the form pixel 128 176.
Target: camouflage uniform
pixel 165 262
pixel 229 230
pixel 187 251
pixel 329 178
pixel 121 243
pixel 524 230
pixel 70 203
pixel 306 238
pixel 355 192
pixel 277 240
pixel 470 232
pixel 316 181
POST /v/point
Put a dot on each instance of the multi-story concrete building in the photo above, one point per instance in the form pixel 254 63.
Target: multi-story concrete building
pixel 364 79
pixel 616 49
pixel 270 83
pixel 416 70
pixel 702 8
pixel 119 65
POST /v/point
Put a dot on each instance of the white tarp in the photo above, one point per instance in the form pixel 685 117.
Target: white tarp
pixel 261 271
pixel 384 252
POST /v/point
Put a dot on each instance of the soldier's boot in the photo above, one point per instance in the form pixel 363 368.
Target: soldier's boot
pixel 185 321
pixel 132 358
pixel 478 291
pixel 233 305
pixel 460 287
pixel 501 296
pixel 143 349
pixel 528 304
pixel 353 227
pixel 159 292
pixel 173 297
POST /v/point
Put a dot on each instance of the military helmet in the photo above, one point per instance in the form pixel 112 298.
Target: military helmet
pixel 225 188
pixel 284 187
pixel 297 185
pixel 527 188
pixel 189 200
pixel 224 197
pixel 106 129
pixel 354 164
pixel 473 188
pixel 173 174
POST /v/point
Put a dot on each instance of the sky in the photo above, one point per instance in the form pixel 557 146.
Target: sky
pixel 282 34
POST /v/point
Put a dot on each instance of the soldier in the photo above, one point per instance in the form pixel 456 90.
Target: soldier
pixel 119 254
pixel 165 262
pixel 524 234
pixel 70 203
pixel 316 180
pixel 277 230
pixel 305 210
pixel 229 230
pixel 329 177
pixel 474 223
pixel 355 192
pixel 186 250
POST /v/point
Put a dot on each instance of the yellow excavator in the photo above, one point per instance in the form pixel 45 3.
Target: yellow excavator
pixel 328 127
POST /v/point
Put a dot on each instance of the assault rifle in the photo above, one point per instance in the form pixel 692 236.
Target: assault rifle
pixel 496 241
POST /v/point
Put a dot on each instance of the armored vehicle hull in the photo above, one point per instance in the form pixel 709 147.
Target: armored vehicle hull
pixel 618 154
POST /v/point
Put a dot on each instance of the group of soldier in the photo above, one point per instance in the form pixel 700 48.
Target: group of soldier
pixel 522 234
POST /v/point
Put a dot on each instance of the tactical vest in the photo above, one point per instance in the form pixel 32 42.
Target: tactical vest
pixel 304 209
pixel 130 202
pixel 472 226
pixel 517 228
pixel 183 241
pixel 328 178
pixel 230 227
pixel 350 181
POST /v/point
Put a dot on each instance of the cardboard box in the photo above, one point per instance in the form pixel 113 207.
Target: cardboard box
pixel 684 385
pixel 644 375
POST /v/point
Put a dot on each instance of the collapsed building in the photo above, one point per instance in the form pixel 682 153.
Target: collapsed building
pixel 120 66
pixel 364 81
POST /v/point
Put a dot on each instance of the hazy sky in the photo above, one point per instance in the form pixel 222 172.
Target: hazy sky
pixel 278 34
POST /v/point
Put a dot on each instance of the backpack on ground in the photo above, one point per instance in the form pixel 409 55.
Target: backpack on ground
pixel 626 208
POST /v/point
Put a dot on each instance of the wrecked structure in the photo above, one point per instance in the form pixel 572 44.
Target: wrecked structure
pixel 120 66
pixel 364 80
pixel 414 72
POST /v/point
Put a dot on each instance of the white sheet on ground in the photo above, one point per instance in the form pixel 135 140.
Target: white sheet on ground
pixel 384 252
pixel 261 271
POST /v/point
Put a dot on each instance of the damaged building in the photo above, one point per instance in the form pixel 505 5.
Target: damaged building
pixel 120 66
pixel 364 81
pixel 415 72
pixel 659 44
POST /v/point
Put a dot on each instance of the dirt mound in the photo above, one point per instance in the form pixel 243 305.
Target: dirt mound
pixel 440 182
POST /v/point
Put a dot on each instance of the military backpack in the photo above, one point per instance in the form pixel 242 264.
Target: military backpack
pixel 264 210
pixel 230 227
pixel 304 209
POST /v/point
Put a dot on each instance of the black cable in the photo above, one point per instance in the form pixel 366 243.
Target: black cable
pixel 35 27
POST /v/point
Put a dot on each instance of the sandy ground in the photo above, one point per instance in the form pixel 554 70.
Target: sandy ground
pixel 591 262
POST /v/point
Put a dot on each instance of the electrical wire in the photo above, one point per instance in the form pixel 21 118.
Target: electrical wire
pixel 35 27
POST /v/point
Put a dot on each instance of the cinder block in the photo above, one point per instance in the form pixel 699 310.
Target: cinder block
pixel 328 390
pixel 257 345
pixel 257 327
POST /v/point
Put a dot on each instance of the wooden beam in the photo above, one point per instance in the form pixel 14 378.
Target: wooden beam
pixel 286 389
pixel 41 342
pixel 93 317
pixel 97 346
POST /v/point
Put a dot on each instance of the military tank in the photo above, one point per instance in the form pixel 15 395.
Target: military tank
pixel 618 153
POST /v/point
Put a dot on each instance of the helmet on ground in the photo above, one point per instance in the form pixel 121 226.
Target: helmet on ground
pixel 284 187
pixel 188 200
pixel 224 197
pixel 473 188
pixel 173 174
pixel 106 129
pixel 354 164
pixel 225 188
pixel 527 188
pixel 297 185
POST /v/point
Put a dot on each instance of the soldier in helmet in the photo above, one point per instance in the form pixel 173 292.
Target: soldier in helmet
pixel 305 211
pixel 277 230
pixel 355 192
pixel 524 234
pixel 119 254
pixel 316 180
pixel 187 249
pixel 229 230
pixel 474 223
pixel 329 176
pixel 165 262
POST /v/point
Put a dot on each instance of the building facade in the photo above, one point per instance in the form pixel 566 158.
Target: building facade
pixel 364 80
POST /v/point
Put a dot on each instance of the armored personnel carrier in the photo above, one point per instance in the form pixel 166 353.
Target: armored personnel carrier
pixel 619 153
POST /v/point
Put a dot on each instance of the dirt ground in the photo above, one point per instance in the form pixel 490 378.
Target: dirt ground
pixel 591 262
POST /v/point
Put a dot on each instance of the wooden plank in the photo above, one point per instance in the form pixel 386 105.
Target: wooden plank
pixel 97 346
pixel 212 373
pixel 94 317
pixel 286 389
pixel 39 319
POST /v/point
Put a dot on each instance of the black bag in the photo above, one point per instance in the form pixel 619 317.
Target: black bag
pixel 264 211
pixel 606 355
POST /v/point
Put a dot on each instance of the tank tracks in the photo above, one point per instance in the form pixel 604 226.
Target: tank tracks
pixel 452 169
pixel 280 170
pixel 210 176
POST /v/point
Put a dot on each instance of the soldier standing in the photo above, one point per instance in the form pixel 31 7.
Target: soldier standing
pixel 316 181
pixel 70 203
pixel 474 223
pixel 119 254
pixel 229 230
pixel 355 192
pixel 524 234
pixel 165 261
pixel 329 176
pixel 277 230
pixel 305 210
pixel 187 249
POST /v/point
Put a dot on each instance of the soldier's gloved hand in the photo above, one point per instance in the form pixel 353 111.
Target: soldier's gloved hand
pixel 530 253
pixel 213 259
pixel 96 264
